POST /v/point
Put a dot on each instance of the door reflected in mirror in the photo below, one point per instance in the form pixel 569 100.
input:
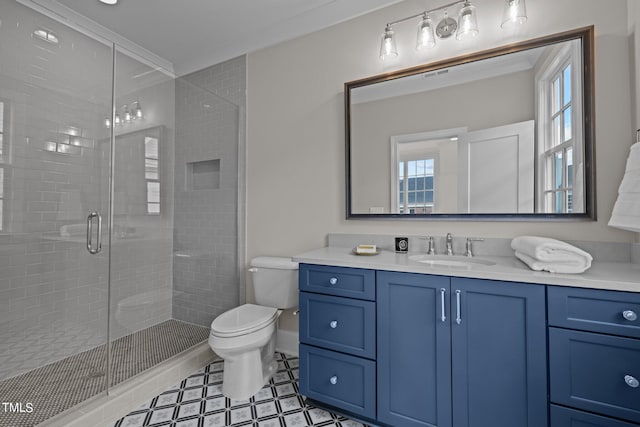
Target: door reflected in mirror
pixel 502 133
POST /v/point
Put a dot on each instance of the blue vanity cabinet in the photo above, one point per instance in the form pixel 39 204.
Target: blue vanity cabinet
pixel 338 338
pixel 414 349
pixel 460 352
pixel 499 353
pixel 594 355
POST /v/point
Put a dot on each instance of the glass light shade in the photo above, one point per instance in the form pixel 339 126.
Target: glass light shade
pixel 117 119
pixel 467 22
pixel 515 13
pixel 426 37
pixel 137 110
pixel 107 122
pixel 127 114
pixel 388 46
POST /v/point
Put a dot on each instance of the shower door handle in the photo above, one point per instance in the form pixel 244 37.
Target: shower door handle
pixel 98 246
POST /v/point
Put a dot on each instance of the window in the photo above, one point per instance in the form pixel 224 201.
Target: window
pixel 559 153
pixel 416 188
pixel 152 175
pixel 557 82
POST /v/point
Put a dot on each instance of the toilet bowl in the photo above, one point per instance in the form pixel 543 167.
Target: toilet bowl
pixel 245 336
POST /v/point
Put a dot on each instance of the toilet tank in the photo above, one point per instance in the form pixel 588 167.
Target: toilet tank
pixel 275 281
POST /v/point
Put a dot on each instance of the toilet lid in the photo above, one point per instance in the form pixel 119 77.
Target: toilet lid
pixel 243 319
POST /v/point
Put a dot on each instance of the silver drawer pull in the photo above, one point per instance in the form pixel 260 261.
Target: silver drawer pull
pixel 631 381
pixel 458 317
pixel 333 324
pixel 333 380
pixel 333 280
pixel 442 305
pixel 629 315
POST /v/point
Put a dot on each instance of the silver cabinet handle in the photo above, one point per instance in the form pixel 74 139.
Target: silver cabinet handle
pixel 333 280
pixel 333 380
pixel 333 324
pixel 98 246
pixel 442 306
pixel 458 318
pixel 631 381
pixel 629 315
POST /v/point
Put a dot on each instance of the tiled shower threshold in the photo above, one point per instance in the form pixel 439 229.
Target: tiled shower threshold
pixel 55 388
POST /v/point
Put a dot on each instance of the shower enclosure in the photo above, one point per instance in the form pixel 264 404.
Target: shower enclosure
pixel 116 180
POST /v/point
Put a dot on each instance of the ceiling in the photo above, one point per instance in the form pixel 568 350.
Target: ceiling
pixel 193 34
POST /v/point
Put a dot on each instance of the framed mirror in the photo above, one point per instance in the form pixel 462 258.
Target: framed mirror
pixel 502 134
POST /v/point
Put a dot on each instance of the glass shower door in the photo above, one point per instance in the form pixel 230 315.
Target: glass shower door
pixel 55 99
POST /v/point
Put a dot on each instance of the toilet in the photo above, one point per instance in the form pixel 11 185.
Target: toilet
pixel 245 336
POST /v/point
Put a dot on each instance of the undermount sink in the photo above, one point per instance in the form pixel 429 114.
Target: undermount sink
pixel 450 261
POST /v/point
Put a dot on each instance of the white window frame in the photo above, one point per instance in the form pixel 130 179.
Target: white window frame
pixel 396 142
pixel 552 66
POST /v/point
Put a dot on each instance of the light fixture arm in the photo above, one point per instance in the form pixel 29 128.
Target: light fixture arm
pixel 428 12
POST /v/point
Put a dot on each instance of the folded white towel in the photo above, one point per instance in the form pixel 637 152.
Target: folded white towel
pixel 555 256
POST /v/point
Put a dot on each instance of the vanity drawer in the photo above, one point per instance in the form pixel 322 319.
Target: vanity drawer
pixel 565 417
pixel 594 372
pixel 340 380
pixel 608 312
pixel 340 281
pixel 342 324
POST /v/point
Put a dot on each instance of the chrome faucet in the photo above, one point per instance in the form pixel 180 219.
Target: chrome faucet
pixel 431 250
pixel 449 250
pixel 469 246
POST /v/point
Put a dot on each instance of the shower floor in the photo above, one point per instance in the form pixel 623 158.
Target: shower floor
pixel 56 387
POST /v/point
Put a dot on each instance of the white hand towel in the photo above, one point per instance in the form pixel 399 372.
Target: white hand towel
pixel 564 267
pixel 542 253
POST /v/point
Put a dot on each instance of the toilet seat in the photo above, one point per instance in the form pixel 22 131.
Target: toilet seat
pixel 243 320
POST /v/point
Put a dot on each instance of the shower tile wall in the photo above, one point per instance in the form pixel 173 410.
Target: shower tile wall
pixel 209 126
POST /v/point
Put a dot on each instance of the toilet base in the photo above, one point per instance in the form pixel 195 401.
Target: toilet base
pixel 244 376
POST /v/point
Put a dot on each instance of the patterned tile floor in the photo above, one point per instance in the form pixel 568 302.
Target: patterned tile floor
pixel 198 402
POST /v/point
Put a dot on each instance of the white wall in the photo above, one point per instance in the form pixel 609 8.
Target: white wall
pixel 374 123
pixel 295 179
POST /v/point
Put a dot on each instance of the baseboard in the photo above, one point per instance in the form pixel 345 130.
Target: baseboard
pixel 287 342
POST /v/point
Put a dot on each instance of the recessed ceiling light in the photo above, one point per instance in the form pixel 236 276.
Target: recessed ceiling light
pixel 109 1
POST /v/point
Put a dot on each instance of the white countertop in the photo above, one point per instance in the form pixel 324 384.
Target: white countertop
pixel 602 275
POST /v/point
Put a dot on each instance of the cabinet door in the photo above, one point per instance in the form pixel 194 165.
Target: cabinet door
pixel 414 359
pixel 499 354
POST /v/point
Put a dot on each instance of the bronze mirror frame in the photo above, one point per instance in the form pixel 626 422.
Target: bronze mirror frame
pixel 586 36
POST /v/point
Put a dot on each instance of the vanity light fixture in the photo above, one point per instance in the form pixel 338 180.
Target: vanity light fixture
pixel 515 13
pixel 109 2
pixel 130 113
pixel 465 27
